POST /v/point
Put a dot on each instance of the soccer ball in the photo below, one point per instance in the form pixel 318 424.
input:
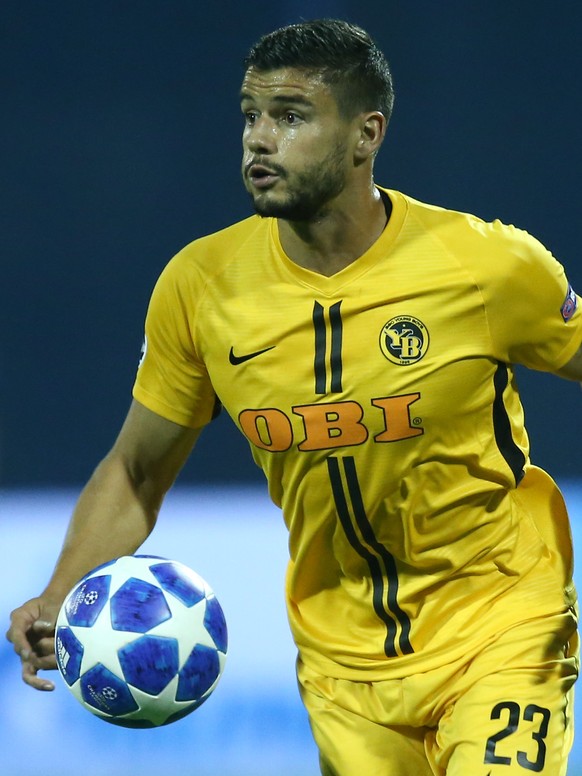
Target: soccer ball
pixel 141 641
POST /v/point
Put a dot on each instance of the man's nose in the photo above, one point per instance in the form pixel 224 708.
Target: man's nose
pixel 261 137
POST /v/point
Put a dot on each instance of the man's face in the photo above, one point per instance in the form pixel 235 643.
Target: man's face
pixel 295 144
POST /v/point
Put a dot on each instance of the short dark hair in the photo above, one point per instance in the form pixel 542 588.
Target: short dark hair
pixel 343 54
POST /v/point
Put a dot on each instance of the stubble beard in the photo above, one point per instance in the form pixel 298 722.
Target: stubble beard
pixel 308 192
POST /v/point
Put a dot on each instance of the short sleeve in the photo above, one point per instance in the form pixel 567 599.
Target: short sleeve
pixel 171 380
pixel 534 315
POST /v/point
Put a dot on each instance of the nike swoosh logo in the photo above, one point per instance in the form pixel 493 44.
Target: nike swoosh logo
pixel 236 360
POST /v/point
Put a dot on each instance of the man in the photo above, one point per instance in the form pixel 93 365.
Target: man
pixel 363 342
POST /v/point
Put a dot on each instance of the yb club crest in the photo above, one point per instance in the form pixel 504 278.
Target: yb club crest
pixel 404 340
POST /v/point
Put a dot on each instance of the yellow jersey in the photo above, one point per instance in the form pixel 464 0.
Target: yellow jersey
pixel 381 404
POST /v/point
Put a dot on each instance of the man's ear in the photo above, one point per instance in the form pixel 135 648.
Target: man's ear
pixel 372 129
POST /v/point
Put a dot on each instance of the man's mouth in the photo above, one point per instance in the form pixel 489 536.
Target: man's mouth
pixel 261 176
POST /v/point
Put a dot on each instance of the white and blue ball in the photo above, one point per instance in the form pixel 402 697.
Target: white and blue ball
pixel 141 641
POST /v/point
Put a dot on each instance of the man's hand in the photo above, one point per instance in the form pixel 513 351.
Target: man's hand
pixel 115 514
pixel 32 629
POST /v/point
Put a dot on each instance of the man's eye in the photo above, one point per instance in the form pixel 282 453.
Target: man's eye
pixel 250 117
pixel 291 118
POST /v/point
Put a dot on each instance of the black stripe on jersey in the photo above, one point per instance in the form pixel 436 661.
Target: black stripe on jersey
pixel 389 612
pixel 502 427
pixel 324 333
pixel 386 557
pixel 320 344
pixel 335 321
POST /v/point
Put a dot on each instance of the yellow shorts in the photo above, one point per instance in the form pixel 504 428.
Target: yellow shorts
pixel 506 711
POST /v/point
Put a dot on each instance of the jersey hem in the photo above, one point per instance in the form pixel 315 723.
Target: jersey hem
pixel 417 663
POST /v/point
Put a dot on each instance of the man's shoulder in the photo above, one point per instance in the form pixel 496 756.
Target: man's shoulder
pixel 433 216
pixel 229 239
pixel 462 224
pixel 207 256
pixel 485 248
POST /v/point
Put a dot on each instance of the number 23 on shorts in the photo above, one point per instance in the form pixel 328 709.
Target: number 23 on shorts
pixel 521 738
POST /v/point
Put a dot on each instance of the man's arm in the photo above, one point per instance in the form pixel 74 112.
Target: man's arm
pixel 573 369
pixel 115 513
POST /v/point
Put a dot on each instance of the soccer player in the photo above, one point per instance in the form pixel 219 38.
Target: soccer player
pixel 364 343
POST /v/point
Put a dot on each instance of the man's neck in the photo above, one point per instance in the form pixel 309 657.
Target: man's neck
pixel 338 237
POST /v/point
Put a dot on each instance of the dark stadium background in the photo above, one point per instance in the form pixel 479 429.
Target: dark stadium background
pixel 120 143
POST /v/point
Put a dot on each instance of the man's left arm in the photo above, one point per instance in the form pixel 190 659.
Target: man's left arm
pixel 573 369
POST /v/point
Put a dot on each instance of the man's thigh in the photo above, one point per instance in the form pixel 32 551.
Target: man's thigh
pixel 349 725
pixel 514 721
pixel 507 725
pixel 351 745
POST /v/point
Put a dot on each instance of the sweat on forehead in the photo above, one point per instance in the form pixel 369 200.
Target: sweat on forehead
pixel 284 77
pixel 289 85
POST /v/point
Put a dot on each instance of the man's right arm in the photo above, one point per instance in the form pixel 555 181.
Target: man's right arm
pixel 116 512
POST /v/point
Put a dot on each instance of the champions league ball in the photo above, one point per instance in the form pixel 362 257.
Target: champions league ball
pixel 141 641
